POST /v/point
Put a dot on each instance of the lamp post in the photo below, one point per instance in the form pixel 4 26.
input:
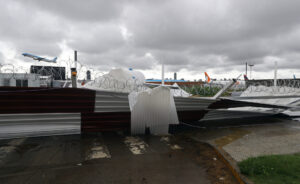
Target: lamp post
pixel 251 65
pixel 275 74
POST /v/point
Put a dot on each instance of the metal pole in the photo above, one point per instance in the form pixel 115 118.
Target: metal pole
pixel 246 69
pixel 251 65
pixel 74 71
pixel 75 58
pixel 275 74
pixel 163 74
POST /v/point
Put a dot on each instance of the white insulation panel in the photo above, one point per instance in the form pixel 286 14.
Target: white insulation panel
pixel 154 108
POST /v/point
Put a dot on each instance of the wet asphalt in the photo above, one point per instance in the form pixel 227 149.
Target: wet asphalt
pixel 97 158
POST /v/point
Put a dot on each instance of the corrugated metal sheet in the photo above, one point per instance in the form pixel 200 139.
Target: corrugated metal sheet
pixel 43 111
pixel 153 109
pixel 192 104
pixel 40 124
pixel 228 103
pixel 111 102
pixel 232 114
pixel 100 110
pixel 191 116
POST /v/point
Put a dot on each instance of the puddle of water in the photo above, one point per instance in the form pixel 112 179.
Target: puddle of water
pixel 136 145
pixel 175 147
pixel 166 139
pixel 236 134
pixel 16 142
pixel 99 152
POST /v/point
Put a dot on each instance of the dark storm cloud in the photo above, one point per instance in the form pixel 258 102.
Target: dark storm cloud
pixel 91 10
pixel 29 30
pixel 193 35
pixel 95 38
pixel 236 30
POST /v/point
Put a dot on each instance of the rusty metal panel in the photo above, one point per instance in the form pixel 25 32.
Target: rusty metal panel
pixel 105 121
pixel 39 124
pixel 46 100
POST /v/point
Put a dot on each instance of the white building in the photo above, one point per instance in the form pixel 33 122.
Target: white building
pixel 19 79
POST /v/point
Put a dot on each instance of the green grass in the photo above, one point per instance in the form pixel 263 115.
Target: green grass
pixel 206 91
pixel 273 169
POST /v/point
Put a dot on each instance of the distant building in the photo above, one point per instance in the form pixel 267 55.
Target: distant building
pixel 166 80
pixel 180 82
pixel 56 73
pixel 19 80
pixel 88 75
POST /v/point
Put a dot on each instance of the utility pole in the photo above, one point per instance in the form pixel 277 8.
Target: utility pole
pixel 275 74
pixel 74 71
pixel 246 69
pixel 251 65
pixel 163 74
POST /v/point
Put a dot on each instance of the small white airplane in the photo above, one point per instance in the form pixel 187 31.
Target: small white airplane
pixel 40 58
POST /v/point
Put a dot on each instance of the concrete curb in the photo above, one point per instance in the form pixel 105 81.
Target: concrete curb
pixel 229 162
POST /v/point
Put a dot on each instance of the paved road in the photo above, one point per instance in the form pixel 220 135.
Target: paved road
pixel 98 158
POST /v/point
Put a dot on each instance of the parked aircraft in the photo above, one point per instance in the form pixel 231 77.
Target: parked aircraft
pixel 34 57
pixel 207 78
pixel 210 81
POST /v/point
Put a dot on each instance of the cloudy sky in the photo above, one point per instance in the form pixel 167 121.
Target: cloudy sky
pixel 190 36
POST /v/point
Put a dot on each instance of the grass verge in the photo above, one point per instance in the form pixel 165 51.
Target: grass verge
pixel 273 169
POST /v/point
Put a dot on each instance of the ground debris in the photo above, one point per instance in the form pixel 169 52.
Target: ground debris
pixel 206 156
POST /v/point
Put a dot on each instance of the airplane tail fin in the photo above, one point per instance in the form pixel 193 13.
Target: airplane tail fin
pixel 245 77
pixel 207 78
pixel 54 59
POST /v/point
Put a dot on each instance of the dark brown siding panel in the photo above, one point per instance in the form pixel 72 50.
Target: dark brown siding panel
pixel 105 121
pixel 227 103
pixel 46 100
pixel 190 116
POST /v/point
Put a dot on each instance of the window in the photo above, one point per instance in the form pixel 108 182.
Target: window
pixel 25 83
pixel 21 83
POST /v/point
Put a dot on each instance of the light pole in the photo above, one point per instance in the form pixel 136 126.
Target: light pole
pixel 246 69
pixel 275 74
pixel 251 65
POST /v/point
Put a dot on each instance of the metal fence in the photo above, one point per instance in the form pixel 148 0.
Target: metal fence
pixel 39 124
